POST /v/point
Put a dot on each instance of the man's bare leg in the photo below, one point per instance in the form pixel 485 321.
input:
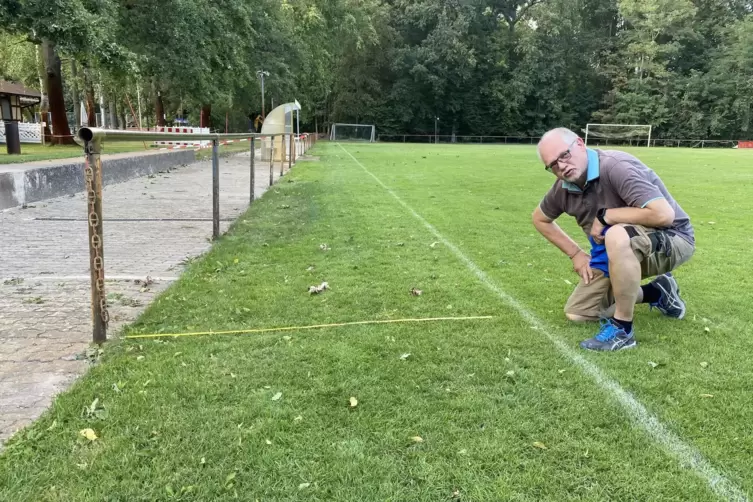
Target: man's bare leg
pixel 624 272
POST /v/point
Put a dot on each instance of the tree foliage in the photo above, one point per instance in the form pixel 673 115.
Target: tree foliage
pixel 506 67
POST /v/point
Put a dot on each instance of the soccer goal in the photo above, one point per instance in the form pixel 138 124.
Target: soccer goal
pixel 353 132
pixel 632 134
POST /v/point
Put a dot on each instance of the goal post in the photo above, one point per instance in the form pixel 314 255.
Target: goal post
pixel 353 132
pixel 638 133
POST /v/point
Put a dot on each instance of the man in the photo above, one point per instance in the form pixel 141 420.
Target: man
pixel 635 227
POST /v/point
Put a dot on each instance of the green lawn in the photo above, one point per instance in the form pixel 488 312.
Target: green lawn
pixel 32 153
pixel 501 412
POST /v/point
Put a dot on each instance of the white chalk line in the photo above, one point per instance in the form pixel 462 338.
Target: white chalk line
pixel 687 455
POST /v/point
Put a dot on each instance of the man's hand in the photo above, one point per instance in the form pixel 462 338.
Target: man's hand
pixel 596 231
pixel 582 266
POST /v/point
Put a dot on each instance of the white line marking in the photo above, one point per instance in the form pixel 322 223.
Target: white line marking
pixel 687 455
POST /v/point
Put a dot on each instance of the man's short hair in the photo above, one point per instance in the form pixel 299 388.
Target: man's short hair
pixel 566 135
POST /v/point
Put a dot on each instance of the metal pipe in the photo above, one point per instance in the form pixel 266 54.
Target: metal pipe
pixel 93 180
pixel 215 189
pixel 290 155
pixel 272 161
pixel 97 135
pixel 253 174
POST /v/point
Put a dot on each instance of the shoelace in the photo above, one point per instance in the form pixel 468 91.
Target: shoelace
pixel 608 331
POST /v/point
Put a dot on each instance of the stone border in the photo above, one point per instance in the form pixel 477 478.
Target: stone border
pixel 35 181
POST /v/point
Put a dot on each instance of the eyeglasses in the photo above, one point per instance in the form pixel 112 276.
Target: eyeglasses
pixel 563 157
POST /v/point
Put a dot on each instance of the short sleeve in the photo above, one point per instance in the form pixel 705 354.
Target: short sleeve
pixel 552 205
pixel 633 184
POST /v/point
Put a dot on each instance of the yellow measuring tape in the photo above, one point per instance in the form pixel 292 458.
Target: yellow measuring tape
pixel 314 326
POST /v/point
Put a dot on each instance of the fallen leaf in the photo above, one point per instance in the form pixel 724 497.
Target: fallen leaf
pixel 287 338
pixel 462 452
pixel 417 439
pixel 267 387
pixel 140 358
pixel 88 434
pixel 353 402
pixel 707 395
pixel 653 364
pixel 510 373
pixel 405 356
pixel 298 418
pixel 303 485
pixel 268 441
pixel 416 292
pixel 706 329
pixel 433 244
pixel 561 371
pixel 315 290
pixel 540 445
pixel 277 396
pixel 310 268
pixel 203 460
pixel 704 364
pixel 324 247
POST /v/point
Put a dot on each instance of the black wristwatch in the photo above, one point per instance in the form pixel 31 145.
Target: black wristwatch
pixel 600 216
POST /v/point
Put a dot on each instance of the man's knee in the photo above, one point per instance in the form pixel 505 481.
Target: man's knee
pixel 580 318
pixel 617 239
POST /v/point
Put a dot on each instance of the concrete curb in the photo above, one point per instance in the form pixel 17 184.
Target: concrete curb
pixel 32 182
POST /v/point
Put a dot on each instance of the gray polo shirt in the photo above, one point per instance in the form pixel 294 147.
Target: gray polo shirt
pixel 615 179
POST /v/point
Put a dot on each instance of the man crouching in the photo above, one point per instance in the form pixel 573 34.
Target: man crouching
pixel 635 227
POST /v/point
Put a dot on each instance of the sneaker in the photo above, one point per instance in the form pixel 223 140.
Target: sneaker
pixel 611 337
pixel 670 304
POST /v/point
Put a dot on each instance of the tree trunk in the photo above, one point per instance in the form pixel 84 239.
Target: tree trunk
pixel 76 95
pixel 53 72
pixel 91 106
pixel 44 105
pixel 206 112
pixel 113 114
pixel 159 108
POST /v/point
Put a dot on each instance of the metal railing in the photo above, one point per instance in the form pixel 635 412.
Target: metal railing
pixel 94 138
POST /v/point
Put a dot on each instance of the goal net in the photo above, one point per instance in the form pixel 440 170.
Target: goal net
pixel 353 132
pixel 618 134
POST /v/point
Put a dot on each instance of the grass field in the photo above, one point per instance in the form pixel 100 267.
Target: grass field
pixel 499 409
pixel 33 153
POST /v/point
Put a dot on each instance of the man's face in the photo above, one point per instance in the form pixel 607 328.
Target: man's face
pixel 568 162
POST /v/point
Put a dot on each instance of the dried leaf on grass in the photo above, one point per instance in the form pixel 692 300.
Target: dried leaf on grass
pixel 353 402
pixel 88 434
pixel 315 290
pixel 405 356
pixel 324 247
pixel 704 364
pixel 417 439
pixel 277 396
pixel 540 445
pixel 416 292
pixel 303 485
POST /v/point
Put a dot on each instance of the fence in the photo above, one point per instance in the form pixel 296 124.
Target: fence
pixel 94 139
pixel 28 132
pixel 532 140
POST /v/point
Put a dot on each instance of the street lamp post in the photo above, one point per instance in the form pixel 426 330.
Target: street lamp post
pixel 261 74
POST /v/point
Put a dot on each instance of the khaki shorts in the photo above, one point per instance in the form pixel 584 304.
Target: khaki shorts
pixel 659 252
